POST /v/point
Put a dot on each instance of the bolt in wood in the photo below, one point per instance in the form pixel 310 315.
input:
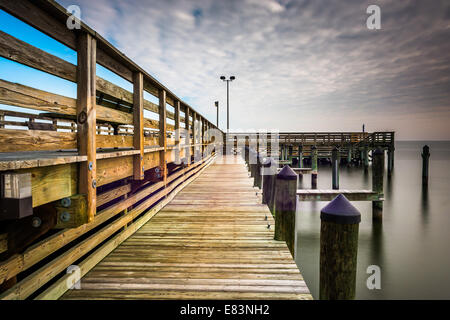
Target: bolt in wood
pixel 338 249
pixel 377 182
pixel 285 206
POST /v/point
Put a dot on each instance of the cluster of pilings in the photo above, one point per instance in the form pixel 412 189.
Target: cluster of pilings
pixel 350 155
pixel 339 219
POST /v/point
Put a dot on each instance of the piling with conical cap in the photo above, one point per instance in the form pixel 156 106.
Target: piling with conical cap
pixel 338 249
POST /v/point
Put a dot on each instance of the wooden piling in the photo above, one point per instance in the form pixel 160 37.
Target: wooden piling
pixel 425 164
pixel 366 158
pixel 257 174
pixel 377 182
pixel 285 206
pixel 338 249
pixel 335 168
pixel 300 156
pixel 349 155
pixel 268 180
pixel 390 161
pixel 313 167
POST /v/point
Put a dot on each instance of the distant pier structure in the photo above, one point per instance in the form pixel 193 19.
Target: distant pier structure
pixel 295 148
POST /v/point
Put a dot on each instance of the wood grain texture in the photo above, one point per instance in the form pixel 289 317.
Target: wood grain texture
pixel 187 253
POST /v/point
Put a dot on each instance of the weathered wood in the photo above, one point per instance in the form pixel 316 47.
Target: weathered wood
pixel 187 141
pixel 328 195
pixel 35 140
pixel 285 207
pixel 179 252
pixel 86 119
pixel 3 242
pixel 338 250
pixel 71 212
pixel 138 126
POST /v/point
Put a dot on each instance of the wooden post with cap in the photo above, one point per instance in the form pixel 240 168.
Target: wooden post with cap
pixel 285 200
pixel 338 249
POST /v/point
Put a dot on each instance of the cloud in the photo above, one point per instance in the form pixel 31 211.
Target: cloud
pixel 300 65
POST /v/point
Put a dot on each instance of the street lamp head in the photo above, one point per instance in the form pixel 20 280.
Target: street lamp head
pixel 216 103
pixel 222 78
pixel 232 78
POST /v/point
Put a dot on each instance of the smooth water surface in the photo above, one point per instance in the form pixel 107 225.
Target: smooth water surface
pixel 411 245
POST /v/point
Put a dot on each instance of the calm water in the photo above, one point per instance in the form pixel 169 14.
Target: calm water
pixel 411 246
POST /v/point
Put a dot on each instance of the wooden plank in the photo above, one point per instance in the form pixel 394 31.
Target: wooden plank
pixel 138 123
pixel 163 134
pixel 219 252
pixel 328 195
pixel 86 119
pixel 60 287
pixel 36 140
pixel 3 242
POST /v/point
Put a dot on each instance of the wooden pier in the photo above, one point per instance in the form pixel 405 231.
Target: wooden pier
pixel 212 241
pixel 94 187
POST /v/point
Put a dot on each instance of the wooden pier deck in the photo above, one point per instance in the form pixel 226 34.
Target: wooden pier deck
pixel 211 241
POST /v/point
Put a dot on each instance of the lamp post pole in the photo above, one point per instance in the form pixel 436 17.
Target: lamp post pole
pixel 223 78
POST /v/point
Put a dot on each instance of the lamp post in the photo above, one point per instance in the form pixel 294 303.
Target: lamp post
pixel 223 78
pixel 217 107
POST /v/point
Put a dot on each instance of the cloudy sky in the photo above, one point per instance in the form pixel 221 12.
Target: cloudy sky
pixel 300 65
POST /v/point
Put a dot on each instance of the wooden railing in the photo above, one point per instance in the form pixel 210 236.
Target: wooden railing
pixel 99 148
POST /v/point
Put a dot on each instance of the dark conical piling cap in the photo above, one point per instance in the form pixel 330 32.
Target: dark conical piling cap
pixel 340 211
pixel 287 174
pixel 426 149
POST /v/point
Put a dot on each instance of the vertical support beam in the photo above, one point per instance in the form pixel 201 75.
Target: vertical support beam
pixel 335 168
pixel 86 119
pixel 257 143
pixel 300 156
pixel 390 161
pixel 349 155
pixel 268 180
pixel 377 182
pixel 203 138
pixel 338 249
pixel 269 144
pixel 138 123
pixel 313 167
pixel 425 165
pixel 162 134
pixel 177 132
pixel 285 207
pixel 366 158
pixel 187 141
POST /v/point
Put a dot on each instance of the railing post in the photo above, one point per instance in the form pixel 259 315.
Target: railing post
pixel 268 180
pixel 252 163
pixel 86 120
pixel 314 167
pixel 138 125
pixel 349 155
pixel 377 182
pixel 285 201
pixel 162 134
pixel 425 164
pixel 177 131
pixel 187 140
pixel 338 249
pixel 335 168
